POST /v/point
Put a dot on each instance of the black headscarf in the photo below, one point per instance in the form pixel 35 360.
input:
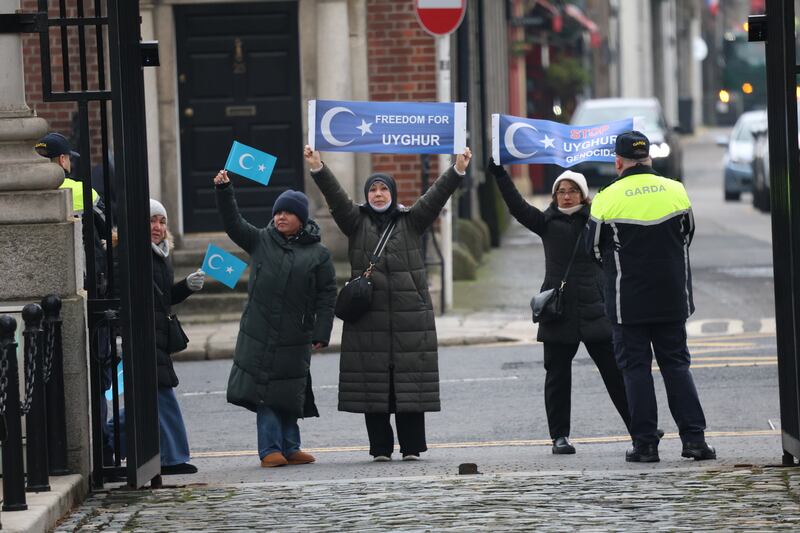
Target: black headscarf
pixel 381 218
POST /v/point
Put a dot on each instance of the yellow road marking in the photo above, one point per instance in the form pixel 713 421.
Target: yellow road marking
pixel 750 358
pixel 754 363
pixel 498 443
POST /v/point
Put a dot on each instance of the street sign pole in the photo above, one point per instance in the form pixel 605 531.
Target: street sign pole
pixel 446 219
pixel 440 18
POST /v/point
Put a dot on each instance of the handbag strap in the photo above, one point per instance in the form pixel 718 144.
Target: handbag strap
pixel 571 259
pixel 160 301
pixel 382 242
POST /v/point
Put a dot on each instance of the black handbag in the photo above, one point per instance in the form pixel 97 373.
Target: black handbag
pixel 355 298
pixel 177 341
pixel 548 306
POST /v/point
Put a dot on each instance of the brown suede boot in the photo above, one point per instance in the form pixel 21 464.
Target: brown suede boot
pixel 274 459
pixel 300 458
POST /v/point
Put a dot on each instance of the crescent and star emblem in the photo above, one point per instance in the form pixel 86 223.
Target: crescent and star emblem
pixel 242 158
pixel 215 256
pixel 325 125
pixel 509 140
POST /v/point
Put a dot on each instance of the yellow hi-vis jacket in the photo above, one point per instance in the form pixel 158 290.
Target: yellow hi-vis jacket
pixel 640 229
pixel 77 194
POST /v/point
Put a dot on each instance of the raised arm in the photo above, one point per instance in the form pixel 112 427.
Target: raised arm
pixel 244 234
pixel 525 213
pixel 345 213
pixel 425 210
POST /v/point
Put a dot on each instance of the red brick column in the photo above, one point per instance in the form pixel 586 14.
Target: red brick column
pixel 402 67
pixel 59 114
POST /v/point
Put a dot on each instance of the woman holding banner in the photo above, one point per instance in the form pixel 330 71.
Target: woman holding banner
pixel 289 311
pixel 583 320
pixel 389 359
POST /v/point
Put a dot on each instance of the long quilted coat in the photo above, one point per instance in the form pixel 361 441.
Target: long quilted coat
pixel 393 346
pixel 291 293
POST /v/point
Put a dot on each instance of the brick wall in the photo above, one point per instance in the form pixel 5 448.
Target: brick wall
pixel 402 67
pixel 60 115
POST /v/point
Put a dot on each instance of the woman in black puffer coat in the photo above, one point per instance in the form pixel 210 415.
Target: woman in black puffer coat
pixel 174 442
pixel 584 319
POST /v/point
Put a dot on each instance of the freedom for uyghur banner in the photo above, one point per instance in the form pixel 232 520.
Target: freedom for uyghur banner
pixel 528 140
pixel 387 127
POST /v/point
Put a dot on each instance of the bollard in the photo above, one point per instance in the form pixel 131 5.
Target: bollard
pixel 54 381
pixel 13 472
pixel 34 406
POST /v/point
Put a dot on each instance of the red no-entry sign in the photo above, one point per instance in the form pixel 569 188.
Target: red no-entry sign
pixel 440 17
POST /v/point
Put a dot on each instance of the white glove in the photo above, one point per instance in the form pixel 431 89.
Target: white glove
pixel 195 280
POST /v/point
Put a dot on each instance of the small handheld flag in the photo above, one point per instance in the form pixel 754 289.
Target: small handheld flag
pixel 251 163
pixel 223 266
pixel 120 384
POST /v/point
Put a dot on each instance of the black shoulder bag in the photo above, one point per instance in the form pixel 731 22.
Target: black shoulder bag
pixel 355 298
pixel 548 306
pixel 177 341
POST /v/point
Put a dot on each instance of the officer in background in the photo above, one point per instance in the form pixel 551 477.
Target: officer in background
pixel 57 148
pixel 640 229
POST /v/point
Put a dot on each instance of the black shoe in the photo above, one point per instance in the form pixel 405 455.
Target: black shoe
pixel 644 453
pixel 660 433
pixel 561 446
pixel 183 468
pixel 699 451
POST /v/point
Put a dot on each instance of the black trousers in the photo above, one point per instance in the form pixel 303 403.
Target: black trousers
pixel 632 346
pixel 558 382
pixel 410 433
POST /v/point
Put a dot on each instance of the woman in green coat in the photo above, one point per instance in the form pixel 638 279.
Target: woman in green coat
pixel 389 359
pixel 291 295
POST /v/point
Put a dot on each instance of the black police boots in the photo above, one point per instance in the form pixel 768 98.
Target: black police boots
pixel 699 451
pixel 643 453
pixel 562 446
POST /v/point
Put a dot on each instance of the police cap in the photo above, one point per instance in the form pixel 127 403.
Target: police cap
pixel 632 145
pixel 53 145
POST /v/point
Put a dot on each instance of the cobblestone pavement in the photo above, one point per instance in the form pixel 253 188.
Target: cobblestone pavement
pixel 744 499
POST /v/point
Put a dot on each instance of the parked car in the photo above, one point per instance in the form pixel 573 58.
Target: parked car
pixel 760 166
pixel 665 145
pixel 760 169
pixel 738 159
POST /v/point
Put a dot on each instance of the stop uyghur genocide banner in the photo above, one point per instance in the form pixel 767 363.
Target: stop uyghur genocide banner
pixel 387 127
pixel 518 140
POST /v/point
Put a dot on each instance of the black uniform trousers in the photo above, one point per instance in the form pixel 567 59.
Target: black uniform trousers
pixel 410 429
pixel 558 382
pixel 632 347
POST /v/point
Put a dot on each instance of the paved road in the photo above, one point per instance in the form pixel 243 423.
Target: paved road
pixel 720 500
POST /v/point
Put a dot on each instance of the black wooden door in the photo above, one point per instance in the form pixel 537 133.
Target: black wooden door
pixel 238 79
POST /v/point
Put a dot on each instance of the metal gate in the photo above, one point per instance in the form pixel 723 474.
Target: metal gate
pixel 777 28
pixel 117 304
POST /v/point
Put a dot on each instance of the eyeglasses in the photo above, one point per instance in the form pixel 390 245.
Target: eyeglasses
pixel 567 192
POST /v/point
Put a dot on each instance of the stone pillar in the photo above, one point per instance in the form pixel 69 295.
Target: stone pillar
pixel 39 239
pixel 334 83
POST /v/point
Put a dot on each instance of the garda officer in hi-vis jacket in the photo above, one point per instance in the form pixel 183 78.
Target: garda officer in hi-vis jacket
pixel 640 229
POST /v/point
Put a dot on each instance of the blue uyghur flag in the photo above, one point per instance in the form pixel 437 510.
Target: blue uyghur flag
pixel 223 266
pixel 251 163
pixel 525 140
pixel 120 384
pixel 387 127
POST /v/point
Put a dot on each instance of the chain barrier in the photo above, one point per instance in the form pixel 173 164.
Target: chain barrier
pixel 50 340
pixel 4 378
pixel 30 373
